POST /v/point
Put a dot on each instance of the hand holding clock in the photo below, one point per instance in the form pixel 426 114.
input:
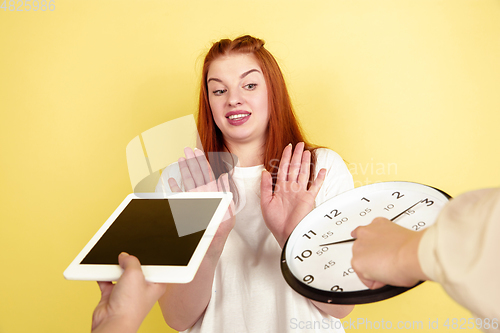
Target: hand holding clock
pixel 386 253
pixel 319 270
pixel 393 219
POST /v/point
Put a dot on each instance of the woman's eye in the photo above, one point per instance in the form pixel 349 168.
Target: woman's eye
pixel 219 92
pixel 251 86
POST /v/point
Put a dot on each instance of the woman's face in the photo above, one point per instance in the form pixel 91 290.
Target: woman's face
pixel 237 94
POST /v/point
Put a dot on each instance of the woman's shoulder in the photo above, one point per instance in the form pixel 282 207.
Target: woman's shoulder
pixel 170 171
pixel 338 178
pixel 326 156
pixel 172 168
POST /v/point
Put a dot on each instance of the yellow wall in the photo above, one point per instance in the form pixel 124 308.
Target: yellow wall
pixel 402 89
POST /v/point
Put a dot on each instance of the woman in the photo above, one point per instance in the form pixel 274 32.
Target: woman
pixel 245 109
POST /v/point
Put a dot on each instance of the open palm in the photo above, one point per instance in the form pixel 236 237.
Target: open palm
pixel 197 176
pixel 291 201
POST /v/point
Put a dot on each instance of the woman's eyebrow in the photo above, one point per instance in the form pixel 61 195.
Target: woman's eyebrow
pixel 214 79
pixel 248 72
pixel 241 76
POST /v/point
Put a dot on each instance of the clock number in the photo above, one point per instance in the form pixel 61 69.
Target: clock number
pixel 399 195
pixel 328 234
pixel 349 271
pixel 309 232
pixel 308 279
pixel 329 264
pixel 366 211
pixel 323 250
pixel 365 199
pixel 305 254
pixel 337 213
pixel 345 219
pixel 418 226
pixel 336 288
pixel 409 212
pixel 389 207
pixel 428 202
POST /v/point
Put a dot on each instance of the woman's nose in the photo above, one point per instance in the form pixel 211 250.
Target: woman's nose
pixel 235 98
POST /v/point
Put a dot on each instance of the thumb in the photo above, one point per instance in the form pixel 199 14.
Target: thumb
pixel 318 182
pixel 266 187
pixel 371 284
pixel 128 262
pixel 223 183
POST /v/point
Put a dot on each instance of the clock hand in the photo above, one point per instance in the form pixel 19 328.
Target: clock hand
pixel 395 217
pixel 339 242
pixel 407 209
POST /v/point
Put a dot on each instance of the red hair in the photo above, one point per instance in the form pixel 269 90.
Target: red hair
pixel 283 127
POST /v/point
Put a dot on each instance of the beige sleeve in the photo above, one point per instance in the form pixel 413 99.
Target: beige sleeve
pixel 462 251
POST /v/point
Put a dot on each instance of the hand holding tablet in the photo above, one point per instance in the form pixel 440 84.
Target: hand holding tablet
pixel 168 233
pixel 146 226
pixel 124 305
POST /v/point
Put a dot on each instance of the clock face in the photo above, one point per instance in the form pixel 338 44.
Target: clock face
pixel 322 271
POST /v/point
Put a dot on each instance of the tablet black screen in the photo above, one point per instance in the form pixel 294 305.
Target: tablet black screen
pixel 146 229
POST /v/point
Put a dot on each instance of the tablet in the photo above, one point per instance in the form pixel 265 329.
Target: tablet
pixel 170 235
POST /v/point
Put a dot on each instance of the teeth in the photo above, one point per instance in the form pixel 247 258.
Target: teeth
pixel 238 116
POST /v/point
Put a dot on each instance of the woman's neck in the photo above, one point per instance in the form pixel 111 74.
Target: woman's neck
pixel 249 154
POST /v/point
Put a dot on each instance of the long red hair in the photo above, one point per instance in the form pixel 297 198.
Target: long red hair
pixel 283 127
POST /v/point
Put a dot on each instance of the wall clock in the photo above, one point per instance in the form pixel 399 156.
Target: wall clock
pixel 316 259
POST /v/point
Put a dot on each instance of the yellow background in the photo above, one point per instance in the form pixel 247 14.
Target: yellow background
pixel 402 89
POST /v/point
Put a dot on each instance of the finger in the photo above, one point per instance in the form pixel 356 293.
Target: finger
pixel 206 170
pixel 266 187
pixel 318 182
pixel 354 233
pixel 131 263
pixel 106 288
pixel 296 162
pixel 174 187
pixel 128 262
pixel 367 282
pixel 187 178
pixel 223 185
pixel 304 168
pixel 194 167
pixel 284 164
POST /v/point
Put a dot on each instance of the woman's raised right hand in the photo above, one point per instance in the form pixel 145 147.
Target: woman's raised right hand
pixel 197 176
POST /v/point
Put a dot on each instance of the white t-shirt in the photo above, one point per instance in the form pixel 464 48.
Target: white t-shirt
pixel 249 293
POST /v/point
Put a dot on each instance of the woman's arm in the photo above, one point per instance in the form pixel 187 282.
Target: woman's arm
pixel 183 304
pixel 284 208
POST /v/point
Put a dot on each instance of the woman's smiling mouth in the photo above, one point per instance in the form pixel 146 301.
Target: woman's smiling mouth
pixel 237 118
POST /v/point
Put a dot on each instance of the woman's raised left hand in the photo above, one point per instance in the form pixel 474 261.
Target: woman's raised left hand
pixel 291 201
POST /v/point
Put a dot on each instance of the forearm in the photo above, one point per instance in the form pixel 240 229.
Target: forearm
pixel 334 310
pixel 183 304
pixel 118 325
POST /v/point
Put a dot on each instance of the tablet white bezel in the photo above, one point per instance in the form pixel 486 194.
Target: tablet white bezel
pixel 163 274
